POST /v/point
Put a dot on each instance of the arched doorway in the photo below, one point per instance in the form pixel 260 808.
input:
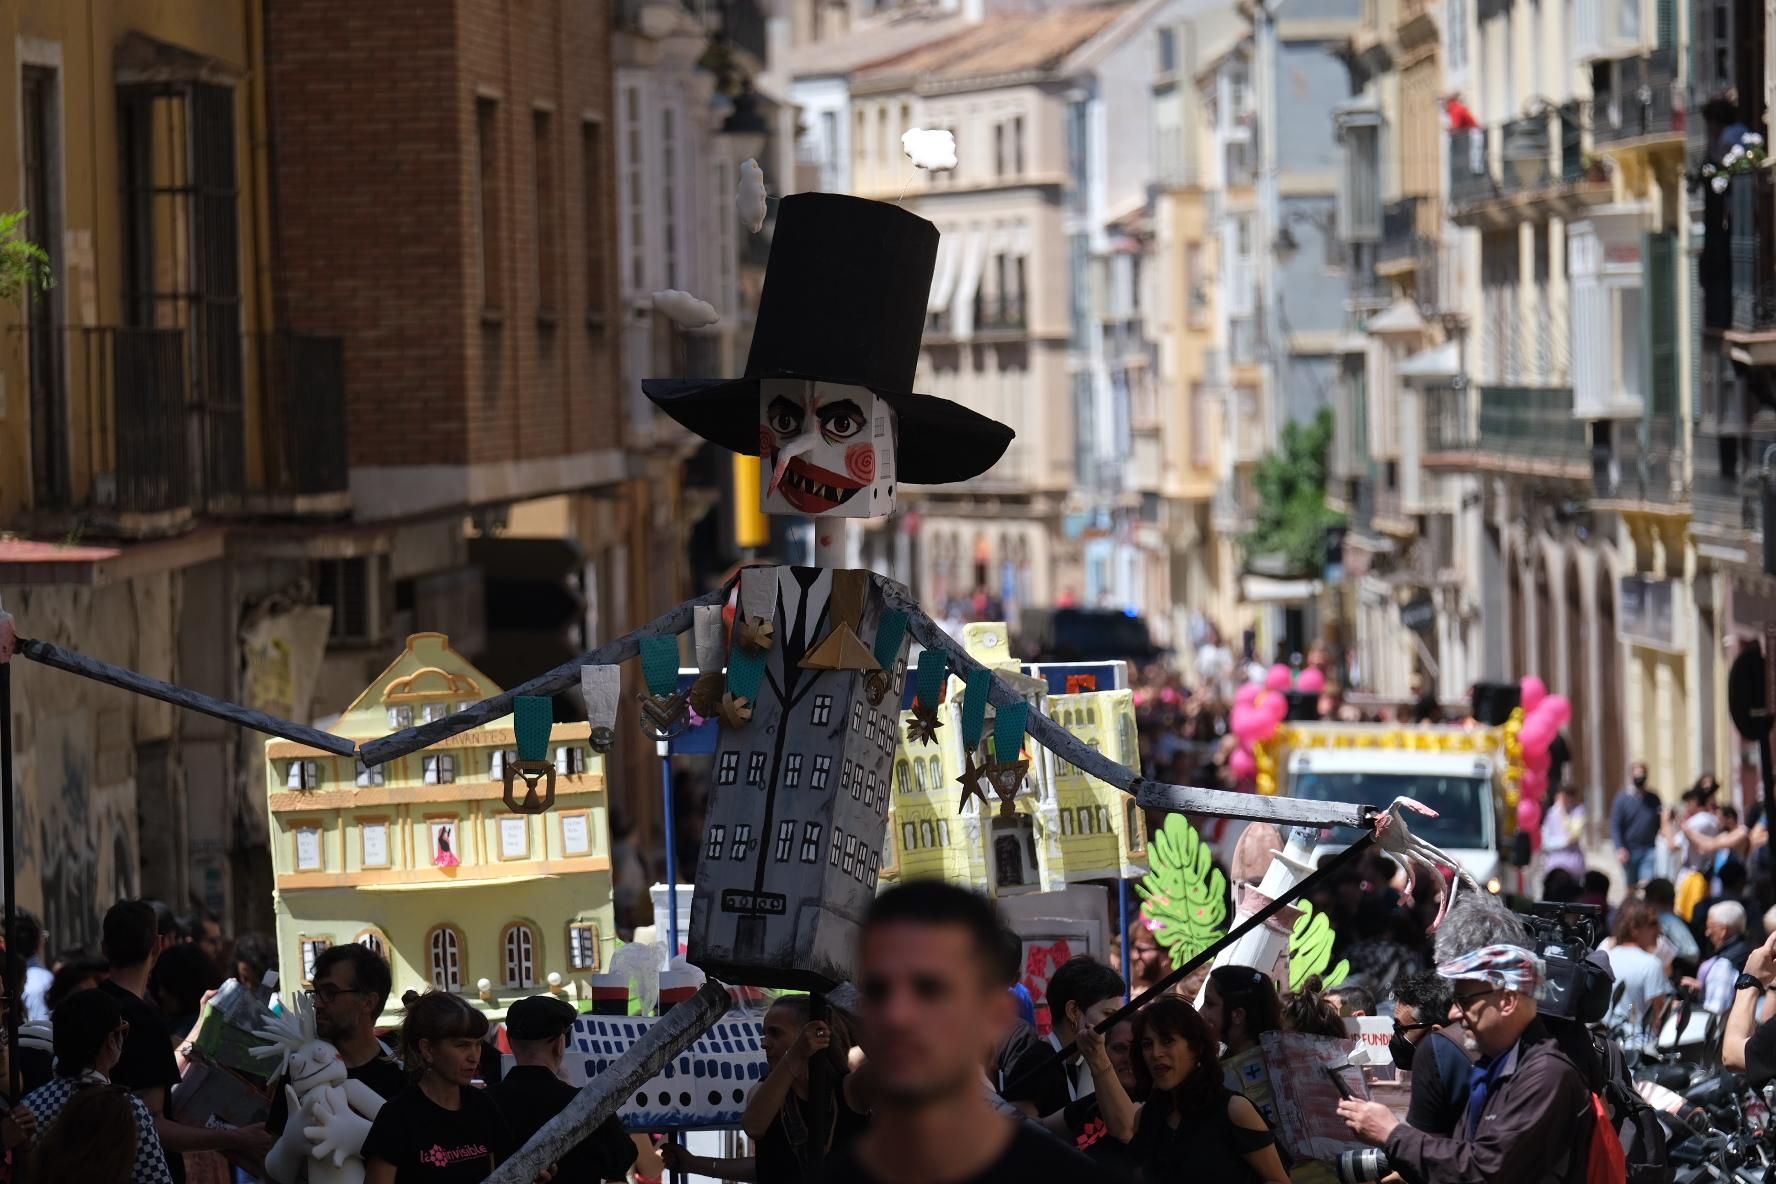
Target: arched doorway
pixel 1517 620
pixel 1614 760
pixel 1578 687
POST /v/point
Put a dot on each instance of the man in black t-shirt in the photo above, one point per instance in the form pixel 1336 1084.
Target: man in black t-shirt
pixel 147 1068
pixel 1749 1047
pixel 933 1008
pixel 351 986
pixel 532 1092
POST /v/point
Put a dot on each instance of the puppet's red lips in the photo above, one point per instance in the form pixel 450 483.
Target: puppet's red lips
pixel 814 490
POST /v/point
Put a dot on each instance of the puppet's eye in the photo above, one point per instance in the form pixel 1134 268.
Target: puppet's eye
pixel 842 425
pixel 786 422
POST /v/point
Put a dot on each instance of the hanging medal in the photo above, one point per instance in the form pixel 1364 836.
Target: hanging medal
pixel 934 667
pixel 665 710
pixel 746 673
pixel 974 721
pixel 601 689
pixel 533 719
pixel 706 633
pixel 1007 768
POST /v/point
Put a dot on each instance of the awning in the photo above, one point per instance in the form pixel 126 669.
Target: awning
pixel 1267 590
pixel 967 284
pixel 943 282
pixel 1434 364
pixel 1402 316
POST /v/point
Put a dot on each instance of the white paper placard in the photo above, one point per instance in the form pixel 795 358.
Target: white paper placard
pixel 514 838
pixel 576 835
pixel 376 848
pixel 308 849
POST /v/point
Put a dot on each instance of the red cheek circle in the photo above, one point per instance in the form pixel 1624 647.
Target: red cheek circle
pixel 767 441
pixel 860 462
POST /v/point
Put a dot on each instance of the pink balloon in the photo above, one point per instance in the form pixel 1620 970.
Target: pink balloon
pixel 1559 708
pixel 1312 681
pixel 1537 759
pixel 1242 764
pixel 1537 734
pixel 1534 785
pixel 1247 692
pixel 1245 722
pixel 1280 678
pixel 1529 818
pixel 1533 690
pixel 1275 705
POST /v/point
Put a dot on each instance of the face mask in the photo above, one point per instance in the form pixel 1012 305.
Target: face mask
pixel 1402 1051
pixel 1640 782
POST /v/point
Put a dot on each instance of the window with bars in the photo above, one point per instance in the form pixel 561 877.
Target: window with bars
pixel 727 768
pixel 792 770
pixel 582 946
pixel 570 759
pixel 373 941
pixel 850 864
pixel 592 185
pixel 785 839
pixel 497 762
pixel 717 836
pixel 488 203
pixel 303 775
pixel 440 769
pixel 312 948
pixel 401 716
pixel 433 711
pixel 370 774
pixel 742 841
pixel 520 956
pixel 838 842
pixel 755 769
pixel 856 717
pixel 903 776
pixel 445 962
pixel 869 728
pixel 548 211
pixel 810 842
pixel 822 713
pixel 869 790
pixel 849 782
pixel 822 770
pixel 874 864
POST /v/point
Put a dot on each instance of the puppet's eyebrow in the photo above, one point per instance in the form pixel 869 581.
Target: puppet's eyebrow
pixel 781 404
pixel 842 407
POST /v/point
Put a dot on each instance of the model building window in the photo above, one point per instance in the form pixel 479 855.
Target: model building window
pixel 717 835
pixel 822 770
pixel 303 775
pixel 446 959
pixel 792 770
pixel 869 728
pixel 370 774
pixel 520 960
pixel 902 777
pixel 1085 820
pixel 440 770
pixel 838 841
pixel 909 836
pixel 943 832
pixel 925 834
pixel 742 841
pixel 919 775
pixel 432 711
pixel 856 717
pixel 869 790
pixel 850 855
pixel 1066 822
pixel 1103 820
pixel 810 842
pixel 576 834
pixel 822 710
pixel 375 839
pixel 373 941
pixel 582 946
pixel 874 863
pixel 311 949
pixel 400 717
pixel 308 848
pixel 514 837
pixel 785 838
pixel 755 769
pixel 499 761
pixel 1137 828
pixel 570 759
pixel 728 771
pixel 845 781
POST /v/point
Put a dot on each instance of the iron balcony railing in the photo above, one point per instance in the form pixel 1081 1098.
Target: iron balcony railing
pixel 1752 250
pixel 1639 461
pixel 1470 167
pixel 303 433
pixel 1450 427
pixel 1400 237
pixel 1637 97
pixel 1727 490
pixel 1534 423
pixel 1003 314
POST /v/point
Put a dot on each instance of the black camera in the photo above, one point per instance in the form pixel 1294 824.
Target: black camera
pixel 1575 987
pixel 1362 1167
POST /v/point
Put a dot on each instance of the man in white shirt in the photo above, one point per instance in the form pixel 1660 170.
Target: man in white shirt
pixel 27 943
pixel 1726 932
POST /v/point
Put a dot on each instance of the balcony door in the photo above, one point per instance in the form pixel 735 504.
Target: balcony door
pixel 41 127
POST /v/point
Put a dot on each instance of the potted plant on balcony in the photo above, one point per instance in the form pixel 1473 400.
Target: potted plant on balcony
pixel 1747 156
pixel 23 264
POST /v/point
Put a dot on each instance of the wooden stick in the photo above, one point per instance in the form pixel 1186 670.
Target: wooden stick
pixel 129 680
pixel 599 1098
pixel 1155 794
pixel 375 752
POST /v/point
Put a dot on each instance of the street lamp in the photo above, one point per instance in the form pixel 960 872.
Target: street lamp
pixel 746 125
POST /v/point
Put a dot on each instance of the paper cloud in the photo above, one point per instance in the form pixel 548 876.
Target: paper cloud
pixel 932 149
pixel 750 199
pixel 685 309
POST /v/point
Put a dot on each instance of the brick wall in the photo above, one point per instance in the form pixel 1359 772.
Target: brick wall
pixel 374 134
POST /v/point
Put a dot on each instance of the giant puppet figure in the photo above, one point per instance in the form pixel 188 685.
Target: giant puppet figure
pixel 810 706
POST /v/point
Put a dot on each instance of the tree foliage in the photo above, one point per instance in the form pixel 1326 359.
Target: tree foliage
pixel 23 264
pixel 1291 516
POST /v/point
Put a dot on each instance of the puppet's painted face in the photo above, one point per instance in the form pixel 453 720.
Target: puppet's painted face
pixel 825 449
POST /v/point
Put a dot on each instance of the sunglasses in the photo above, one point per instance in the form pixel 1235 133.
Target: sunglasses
pixel 1401 1029
pixel 1466 1001
pixel 327 992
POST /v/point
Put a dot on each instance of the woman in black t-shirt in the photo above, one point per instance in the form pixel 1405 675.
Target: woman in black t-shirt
pixel 1191 1126
pixel 441 1129
pixel 779 1113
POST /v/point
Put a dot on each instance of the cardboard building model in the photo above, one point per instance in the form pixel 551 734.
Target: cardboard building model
pixel 1069 827
pixel 420 859
pixel 810 696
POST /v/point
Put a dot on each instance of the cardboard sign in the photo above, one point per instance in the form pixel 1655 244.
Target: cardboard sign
pixel 1373 1034
pixel 1305 1098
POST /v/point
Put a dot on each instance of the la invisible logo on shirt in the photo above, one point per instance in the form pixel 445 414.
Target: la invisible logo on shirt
pixel 439 1156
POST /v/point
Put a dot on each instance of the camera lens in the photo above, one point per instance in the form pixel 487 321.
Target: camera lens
pixel 1362 1167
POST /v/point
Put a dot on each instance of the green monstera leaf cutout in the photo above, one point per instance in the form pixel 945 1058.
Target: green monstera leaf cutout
pixel 1310 951
pixel 1184 896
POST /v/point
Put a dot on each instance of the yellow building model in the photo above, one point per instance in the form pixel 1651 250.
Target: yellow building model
pixel 1068 826
pixel 420 860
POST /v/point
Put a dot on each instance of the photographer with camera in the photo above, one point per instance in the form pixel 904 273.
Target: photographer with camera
pixel 1749 1047
pixel 1528 1118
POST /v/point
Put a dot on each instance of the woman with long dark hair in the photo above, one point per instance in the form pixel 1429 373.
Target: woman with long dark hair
pixel 1191 1126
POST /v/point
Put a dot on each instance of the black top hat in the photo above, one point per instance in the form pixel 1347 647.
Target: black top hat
pixel 844 301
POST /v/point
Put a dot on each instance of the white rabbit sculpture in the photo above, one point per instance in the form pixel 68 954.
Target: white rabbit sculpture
pixel 330 1113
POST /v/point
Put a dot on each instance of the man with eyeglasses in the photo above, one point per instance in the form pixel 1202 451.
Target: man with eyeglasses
pixel 1437 1060
pixel 351 984
pixel 1528 1118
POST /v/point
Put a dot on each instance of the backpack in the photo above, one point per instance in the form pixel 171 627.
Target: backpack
pixel 1607 1164
pixel 1633 1125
